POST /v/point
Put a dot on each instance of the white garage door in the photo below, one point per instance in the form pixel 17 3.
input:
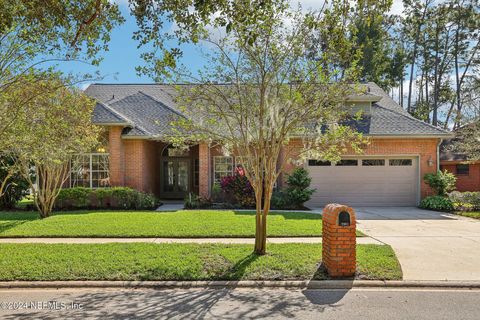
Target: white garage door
pixel 369 181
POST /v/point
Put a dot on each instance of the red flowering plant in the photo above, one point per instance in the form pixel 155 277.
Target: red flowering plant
pixel 239 188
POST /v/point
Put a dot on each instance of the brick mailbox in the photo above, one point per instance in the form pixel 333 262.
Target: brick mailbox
pixel 339 240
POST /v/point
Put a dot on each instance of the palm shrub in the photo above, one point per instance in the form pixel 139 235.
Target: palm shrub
pixel 441 182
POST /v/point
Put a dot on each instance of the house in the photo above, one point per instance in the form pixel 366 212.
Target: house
pixel 389 173
pixel 467 172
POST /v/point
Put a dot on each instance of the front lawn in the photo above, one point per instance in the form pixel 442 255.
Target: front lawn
pixel 474 214
pixel 179 224
pixel 147 261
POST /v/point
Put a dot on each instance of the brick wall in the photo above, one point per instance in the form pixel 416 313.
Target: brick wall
pixel 470 182
pixel 116 157
pixel 204 170
pixel 135 163
pixel 424 148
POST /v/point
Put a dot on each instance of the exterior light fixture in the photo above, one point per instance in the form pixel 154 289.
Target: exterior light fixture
pixel 430 162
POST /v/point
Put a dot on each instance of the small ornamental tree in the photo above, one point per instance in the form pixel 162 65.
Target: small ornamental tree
pixel 48 131
pixel 298 191
pixel 441 182
pixel 273 91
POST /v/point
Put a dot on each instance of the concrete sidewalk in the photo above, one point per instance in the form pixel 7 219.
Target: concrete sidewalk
pixel 360 240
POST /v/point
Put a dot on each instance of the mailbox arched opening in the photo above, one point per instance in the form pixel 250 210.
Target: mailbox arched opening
pixel 344 219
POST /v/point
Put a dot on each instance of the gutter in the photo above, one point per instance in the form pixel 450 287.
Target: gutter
pixel 438 153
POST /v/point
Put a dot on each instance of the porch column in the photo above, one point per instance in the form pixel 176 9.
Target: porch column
pixel 116 163
pixel 204 170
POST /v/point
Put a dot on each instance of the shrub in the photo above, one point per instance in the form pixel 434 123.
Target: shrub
pixel 74 198
pixel 193 201
pixel 239 188
pixel 465 201
pixel 279 201
pixel 16 187
pixel 217 193
pixel 441 182
pixel 298 191
pixel 105 198
pixel 437 203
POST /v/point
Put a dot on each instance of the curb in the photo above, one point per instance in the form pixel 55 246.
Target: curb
pixel 307 284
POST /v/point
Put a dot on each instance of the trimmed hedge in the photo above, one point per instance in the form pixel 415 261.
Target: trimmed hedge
pixel 465 201
pixel 437 203
pixel 104 198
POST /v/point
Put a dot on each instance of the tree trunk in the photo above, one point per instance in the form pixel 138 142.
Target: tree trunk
pixel 401 91
pixel 414 56
pixel 409 101
pixel 260 235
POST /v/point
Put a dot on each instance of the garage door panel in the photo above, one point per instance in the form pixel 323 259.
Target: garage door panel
pixel 365 185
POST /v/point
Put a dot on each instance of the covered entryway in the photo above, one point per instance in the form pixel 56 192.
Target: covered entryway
pixel 369 181
pixel 178 172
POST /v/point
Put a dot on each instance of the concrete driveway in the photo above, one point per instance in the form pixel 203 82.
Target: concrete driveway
pixel 429 245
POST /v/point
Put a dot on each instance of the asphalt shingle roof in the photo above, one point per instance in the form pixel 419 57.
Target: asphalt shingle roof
pixel 107 115
pixel 150 108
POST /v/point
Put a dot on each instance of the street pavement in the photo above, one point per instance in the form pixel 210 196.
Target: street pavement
pixel 239 304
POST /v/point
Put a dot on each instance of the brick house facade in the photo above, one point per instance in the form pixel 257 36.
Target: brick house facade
pixel 139 158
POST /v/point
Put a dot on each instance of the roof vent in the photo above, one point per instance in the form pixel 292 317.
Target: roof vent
pixel 113 96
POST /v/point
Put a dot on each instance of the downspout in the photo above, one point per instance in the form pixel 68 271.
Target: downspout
pixel 438 153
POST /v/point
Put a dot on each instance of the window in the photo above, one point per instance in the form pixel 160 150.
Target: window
pixel 347 163
pixel 319 163
pixel 222 166
pixel 462 169
pixel 400 162
pixel 90 171
pixel 373 162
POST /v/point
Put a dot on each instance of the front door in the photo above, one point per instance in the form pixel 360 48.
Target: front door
pixel 175 178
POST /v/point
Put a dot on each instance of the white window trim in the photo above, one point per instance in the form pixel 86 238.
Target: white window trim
pixel 90 157
pixel 215 166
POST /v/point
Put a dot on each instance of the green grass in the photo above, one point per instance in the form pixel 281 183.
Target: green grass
pixel 473 214
pixel 147 261
pixel 180 224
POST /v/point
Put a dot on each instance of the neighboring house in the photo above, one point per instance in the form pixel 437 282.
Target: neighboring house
pixel 137 116
pixel 467 172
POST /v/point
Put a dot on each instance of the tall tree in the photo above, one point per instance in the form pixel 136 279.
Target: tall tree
pixel 372 24
pixel 416 12
pixel 273 97
pixel 35 32
pixel 48 131
pixel 465 19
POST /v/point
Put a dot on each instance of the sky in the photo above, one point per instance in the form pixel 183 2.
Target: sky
pixel 118 64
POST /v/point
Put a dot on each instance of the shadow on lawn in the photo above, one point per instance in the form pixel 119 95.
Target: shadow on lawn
pixel 286 214
pixel 12 219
